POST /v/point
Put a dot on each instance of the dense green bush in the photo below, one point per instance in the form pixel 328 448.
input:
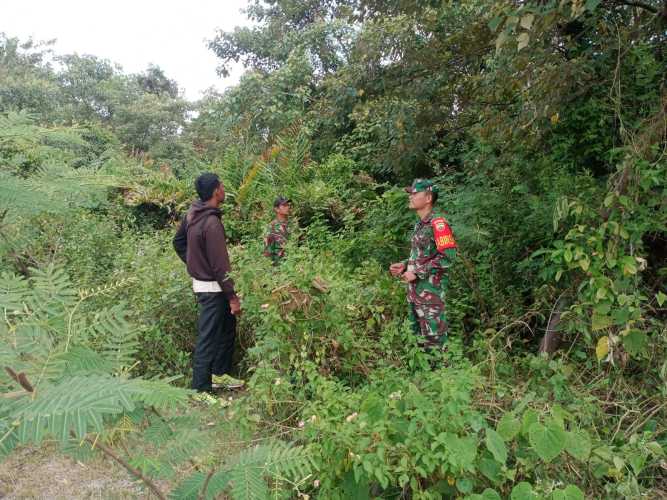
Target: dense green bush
pixel 550 157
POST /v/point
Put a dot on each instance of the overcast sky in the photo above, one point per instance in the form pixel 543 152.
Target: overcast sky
pixel 133 33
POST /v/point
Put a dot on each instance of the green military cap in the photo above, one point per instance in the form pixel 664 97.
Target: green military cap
pixel 281 200
pixel 419 185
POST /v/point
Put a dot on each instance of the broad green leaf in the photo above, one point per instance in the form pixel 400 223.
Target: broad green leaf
pixel 496 445
pixel 523 491
pixel 661 298
pixel 567 255
pixel 629 266
pixel 464 485
pixel 578 444
pixel 529 418
pixel 637 462
pixel 635 342
pixel 487 494
pixel 522 40
pixel 547 441
pixel 491 469
pixel 571 492
pixel 508 426
pixel 462 451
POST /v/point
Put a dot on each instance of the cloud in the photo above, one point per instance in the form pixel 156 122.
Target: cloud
pixel 134 33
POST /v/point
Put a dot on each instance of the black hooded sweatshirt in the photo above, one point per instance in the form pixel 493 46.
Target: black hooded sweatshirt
pixel 200 243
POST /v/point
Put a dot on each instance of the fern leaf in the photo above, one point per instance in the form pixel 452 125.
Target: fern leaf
pixel 77 450
pixel 75 405
pixel 288 461
pixel 158 433
pixel 247 475
pixel 52 293
pixel 161 394
pixel 248 483
pixel 185 445
pixel 217 484
pixel 81 360
pixel 8 437
pixel 119 339
pixel 189 488
pixel 14 291
pixel 152 467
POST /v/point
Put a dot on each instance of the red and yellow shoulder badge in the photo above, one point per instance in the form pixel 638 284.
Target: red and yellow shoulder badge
pixel 442 234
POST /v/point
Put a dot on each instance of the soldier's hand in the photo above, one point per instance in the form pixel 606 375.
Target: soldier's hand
pixel 397 268
pixel 235 306
pixel 409 277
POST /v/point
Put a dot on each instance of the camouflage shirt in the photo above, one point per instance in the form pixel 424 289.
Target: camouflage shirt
pixel 432 251
pixel 275 239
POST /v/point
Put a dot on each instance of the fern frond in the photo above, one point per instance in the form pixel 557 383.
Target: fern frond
pixel 117 338
pixel 76 405
pixel 247 474
pixel 189 488
pixel 160 393
pixel 292 462
pixel 52 293
pixel 185 444
pixel 8 437
pixel 14 291
pixel 158 432
pixel 81 360
pixel 152 467
pixel 248 483
pixel 29 342
pixel 217 484
pixel 78 450
pixel 244 188
pixel 192 419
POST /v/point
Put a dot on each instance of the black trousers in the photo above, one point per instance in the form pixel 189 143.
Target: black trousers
pixel 215 340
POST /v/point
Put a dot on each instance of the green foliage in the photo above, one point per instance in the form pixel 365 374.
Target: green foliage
pixel 549 151
pixel 65 389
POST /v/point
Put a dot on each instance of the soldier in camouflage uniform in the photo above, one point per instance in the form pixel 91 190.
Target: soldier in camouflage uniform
pixel 277 232
pixel 432 252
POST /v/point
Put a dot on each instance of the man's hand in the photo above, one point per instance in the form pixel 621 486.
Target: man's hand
pixel 235 306
pixel 397 268
pixel 409 277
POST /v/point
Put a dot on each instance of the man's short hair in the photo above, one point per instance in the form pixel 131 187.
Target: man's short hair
pixel 206 184
pixel 434 197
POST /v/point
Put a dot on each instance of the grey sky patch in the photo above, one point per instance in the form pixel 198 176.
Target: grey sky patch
pixel 134 33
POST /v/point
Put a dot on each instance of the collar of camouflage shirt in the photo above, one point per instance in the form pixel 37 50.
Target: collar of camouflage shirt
pixel 427 219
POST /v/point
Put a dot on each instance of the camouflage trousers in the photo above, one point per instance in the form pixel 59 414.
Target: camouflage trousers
pixel 430 323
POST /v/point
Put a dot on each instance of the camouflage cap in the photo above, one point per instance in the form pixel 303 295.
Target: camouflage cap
pixel 420 185
pixel 281 200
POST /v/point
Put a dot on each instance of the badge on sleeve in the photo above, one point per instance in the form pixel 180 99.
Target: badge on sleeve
pixel 442 234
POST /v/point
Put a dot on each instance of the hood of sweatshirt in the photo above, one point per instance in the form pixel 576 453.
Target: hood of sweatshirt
pixel 200 211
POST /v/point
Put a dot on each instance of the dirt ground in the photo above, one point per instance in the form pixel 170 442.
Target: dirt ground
pixel 42 473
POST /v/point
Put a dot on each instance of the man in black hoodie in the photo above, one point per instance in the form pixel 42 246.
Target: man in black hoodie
pixel 200 243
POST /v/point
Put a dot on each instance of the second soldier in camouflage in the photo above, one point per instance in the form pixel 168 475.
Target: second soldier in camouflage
pixel 277 232
pixel 432 251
